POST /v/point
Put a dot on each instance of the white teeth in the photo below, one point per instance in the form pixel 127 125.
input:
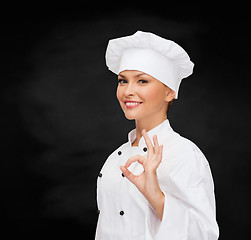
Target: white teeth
pixel 132 103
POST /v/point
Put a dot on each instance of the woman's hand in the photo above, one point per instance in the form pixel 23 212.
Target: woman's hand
pixel 147 181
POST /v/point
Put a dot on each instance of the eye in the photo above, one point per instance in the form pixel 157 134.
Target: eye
pixel 122 81
pixel 143 81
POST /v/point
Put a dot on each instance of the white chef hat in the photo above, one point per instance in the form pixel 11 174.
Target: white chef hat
pixel 163 59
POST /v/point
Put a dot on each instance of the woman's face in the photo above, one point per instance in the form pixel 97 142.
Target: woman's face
pixel 141 96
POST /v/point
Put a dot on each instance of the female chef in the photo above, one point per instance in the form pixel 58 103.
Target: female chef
pixel 158 185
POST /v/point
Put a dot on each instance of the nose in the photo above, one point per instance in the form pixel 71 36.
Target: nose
pixel 130 90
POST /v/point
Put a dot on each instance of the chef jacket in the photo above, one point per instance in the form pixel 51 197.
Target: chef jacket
pixel 184 177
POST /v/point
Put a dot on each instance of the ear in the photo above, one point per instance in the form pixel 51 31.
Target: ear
pixel 170 95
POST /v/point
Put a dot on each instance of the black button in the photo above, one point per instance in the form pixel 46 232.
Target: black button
pixel 144 149
pixel 123 175
pixel 119 152
pixel 100 174
pixel 98 211
pixel 121 213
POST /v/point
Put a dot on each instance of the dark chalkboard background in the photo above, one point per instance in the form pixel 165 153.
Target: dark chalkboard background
pixel 60 118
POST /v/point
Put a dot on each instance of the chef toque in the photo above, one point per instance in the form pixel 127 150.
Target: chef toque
pixel 163 59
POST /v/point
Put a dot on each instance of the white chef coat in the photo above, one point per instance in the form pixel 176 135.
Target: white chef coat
pixel 184 177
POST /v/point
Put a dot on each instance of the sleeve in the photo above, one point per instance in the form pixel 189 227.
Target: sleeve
pixel 189 208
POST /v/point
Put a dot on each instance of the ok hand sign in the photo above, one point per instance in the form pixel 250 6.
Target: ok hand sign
pixel 147 181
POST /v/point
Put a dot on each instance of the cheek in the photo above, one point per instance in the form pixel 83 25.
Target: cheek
pixel 118 94
pixel 153 95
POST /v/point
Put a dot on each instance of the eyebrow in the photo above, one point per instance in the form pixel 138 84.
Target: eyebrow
pixel 138 75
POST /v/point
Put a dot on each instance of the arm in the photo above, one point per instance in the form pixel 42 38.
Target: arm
pixel 189 209
pixel 181 198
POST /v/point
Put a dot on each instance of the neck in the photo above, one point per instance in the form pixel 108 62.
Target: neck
pixel 147 125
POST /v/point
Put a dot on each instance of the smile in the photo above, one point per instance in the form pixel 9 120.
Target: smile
pixel 131 104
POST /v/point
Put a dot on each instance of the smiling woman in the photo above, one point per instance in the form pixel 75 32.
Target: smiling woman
pixel 144 79
pixel 141 96
pixel 157 185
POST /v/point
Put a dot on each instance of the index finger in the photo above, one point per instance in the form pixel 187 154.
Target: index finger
pixel 148 142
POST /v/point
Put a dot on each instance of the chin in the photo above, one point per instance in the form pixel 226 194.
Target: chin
pixel 129 117
pixel 133 116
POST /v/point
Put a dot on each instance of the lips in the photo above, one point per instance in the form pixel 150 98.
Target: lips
pixel 132 104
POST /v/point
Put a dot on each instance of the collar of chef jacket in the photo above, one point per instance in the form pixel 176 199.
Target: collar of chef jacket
pixel 158 130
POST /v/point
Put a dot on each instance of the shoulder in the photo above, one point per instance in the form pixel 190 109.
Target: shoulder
pixel 181 153
pixel 183 165
pixel 119 150
pixel 177 146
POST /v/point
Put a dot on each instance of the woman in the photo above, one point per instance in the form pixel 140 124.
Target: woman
pixel 158 185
